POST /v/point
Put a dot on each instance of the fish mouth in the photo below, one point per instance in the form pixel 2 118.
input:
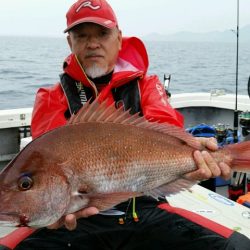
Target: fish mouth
pixel 13 219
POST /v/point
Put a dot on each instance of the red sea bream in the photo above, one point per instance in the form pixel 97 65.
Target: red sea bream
pixel 102 157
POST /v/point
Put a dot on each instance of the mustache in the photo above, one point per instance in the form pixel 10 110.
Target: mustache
pixel 91 53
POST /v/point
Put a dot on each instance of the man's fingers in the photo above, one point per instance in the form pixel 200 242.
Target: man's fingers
pixel 206 164
pixel 71 219
pixel 207 167
pixel 212 144
pixel 202 172
pixel 211 164
pixel 225 171
pixel 209 143
pixel 197 175
pixel 70 222
pixel 86 212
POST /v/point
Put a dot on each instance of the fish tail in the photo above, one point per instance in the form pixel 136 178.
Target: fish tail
pixel 240 153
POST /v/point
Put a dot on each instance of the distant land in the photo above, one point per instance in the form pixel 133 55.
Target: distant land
pixel 214 36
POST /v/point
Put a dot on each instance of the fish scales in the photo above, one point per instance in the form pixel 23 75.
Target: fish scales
pixel 97 152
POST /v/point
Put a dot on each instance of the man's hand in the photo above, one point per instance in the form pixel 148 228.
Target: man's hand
pixel 207 166
pixel 69 221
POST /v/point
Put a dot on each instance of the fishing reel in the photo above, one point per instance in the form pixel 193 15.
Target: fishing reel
pixel 222 132
pixel 245 122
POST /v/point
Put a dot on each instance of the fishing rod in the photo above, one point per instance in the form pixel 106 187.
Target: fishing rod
pixel 236 112
pixel 248 86
pixel 242 178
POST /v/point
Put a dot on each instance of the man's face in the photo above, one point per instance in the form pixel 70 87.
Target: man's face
pixel 96 47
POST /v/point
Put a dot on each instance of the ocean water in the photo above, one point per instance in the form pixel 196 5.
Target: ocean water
pixel 27 63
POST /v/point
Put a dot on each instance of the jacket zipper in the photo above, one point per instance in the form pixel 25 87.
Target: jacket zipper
pixel 90 82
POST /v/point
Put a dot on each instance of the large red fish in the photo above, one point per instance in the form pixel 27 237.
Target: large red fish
pixel 103 156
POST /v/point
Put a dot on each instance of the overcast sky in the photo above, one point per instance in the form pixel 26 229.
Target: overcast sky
pixel 136 17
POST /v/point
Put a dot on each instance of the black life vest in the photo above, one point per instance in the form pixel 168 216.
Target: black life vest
pixel 127 95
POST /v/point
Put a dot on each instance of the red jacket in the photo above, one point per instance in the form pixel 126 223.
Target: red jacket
pixel 51 103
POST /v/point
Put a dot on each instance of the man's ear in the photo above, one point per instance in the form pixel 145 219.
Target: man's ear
pixel 120 39
pixel 69 42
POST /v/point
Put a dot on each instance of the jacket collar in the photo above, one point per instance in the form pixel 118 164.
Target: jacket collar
pixel 132 62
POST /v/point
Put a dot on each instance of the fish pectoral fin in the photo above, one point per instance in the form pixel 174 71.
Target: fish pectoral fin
pixel 77 201
pixel 67 169
pixel 171 188
pixel 104 201
pixel 101 201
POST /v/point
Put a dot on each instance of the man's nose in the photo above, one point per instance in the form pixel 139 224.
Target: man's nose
pixel 93 42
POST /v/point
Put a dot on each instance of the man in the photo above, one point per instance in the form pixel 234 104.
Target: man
pixel 105 64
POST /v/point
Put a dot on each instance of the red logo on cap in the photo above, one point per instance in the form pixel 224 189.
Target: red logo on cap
pixel 88 4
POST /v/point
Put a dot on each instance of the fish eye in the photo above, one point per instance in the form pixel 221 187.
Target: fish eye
pixel 25 183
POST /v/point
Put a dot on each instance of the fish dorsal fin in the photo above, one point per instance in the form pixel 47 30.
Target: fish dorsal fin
pixel 102 112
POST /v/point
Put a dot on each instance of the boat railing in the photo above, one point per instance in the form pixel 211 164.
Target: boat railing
pixel 14 125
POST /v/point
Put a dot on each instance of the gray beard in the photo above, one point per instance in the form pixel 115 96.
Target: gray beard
pixel 96 71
